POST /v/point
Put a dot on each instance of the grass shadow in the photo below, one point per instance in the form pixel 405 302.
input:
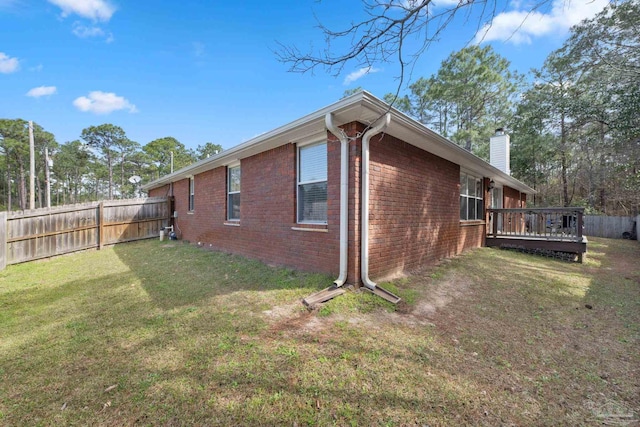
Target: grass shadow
pixel 177 274
pixel 169 334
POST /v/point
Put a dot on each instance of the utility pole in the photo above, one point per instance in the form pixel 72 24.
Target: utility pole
pixel 171 152
pixel 46 176
pixel 32 168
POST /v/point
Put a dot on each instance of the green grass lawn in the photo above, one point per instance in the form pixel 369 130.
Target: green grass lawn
pixel 157 333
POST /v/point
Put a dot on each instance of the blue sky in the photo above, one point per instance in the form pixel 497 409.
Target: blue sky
pixel 205 71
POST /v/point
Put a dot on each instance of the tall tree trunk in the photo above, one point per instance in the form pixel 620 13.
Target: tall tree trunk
pixel 122 177
pixel 9 189
pixel 110 165
pixel 75 188
pixel 445 127
pixel 603 172
pixel 22 187
pixel 563 160
pixel 38 191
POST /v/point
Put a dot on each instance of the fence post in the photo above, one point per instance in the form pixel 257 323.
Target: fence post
pixel 3 240
pixel 100 224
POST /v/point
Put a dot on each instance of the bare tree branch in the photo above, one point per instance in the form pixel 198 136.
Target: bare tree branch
pixel 378 38
pixel 383 34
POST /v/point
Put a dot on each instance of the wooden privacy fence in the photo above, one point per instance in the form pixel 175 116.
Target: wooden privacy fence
pixel 47 232
pixel 608 226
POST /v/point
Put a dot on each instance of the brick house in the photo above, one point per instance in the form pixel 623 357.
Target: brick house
pixel 311 196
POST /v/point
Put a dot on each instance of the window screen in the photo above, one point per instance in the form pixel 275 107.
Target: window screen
pixel 312 183
pixel 233 193
pixel 192 188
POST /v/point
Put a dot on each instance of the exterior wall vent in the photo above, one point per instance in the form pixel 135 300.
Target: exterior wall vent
pixel 499 151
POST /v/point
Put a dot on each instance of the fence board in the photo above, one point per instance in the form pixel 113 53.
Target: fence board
pixel 42 233
pixel 607 226
pixel 3 240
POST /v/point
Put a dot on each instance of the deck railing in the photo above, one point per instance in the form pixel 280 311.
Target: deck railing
pixel 559 224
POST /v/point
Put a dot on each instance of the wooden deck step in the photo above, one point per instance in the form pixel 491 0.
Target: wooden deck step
pixel 324 295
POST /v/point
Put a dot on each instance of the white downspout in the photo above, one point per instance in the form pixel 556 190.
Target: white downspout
pixel 364 245
pixel 344 197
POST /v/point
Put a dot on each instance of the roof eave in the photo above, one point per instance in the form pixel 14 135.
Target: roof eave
pixel 260 143
pixel 362 107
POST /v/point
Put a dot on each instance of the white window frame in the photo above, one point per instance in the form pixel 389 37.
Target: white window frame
pixel 300 183
pixel 192 194
pixel 479 216
pixel 229 192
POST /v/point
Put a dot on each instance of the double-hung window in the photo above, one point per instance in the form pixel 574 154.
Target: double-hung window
pixel 312 183
pixel 233 193
pixel 192 192
pixel 471 203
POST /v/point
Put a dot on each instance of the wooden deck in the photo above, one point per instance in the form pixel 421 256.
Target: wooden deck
pixel 550 230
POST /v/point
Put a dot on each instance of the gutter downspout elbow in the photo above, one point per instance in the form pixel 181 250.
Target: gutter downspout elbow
pixel 344 197
pixel 364 245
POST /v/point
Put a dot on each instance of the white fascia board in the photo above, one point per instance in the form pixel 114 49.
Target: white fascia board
pixel 301 128
pixel 415 133
pixel 362 107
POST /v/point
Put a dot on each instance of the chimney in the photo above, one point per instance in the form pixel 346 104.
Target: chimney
pixel 499 151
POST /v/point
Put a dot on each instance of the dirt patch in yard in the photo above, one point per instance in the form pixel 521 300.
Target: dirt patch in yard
pixel 544 341
pixel 440 294
pixel 435 297
pixel 295 320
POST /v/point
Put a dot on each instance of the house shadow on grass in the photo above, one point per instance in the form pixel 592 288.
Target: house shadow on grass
pixel 176 274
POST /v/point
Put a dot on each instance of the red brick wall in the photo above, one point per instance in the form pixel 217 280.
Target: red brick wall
pixel 512 198
pixel 267 212
pixel 160 191
pixel 414 213
pixel 355 161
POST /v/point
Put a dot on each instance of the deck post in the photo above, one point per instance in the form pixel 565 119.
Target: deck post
pixel 580 226
pixel 495 223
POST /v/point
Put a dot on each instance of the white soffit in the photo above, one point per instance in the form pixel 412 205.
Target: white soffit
pixel 361 107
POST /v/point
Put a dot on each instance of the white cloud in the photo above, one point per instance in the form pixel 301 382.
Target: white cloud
pixel 99 102
pixel 36 69
pixel 8 64
pixel 37 92
pixel 521 26
pixel 83 31
pixel 352 77
pixel 97 10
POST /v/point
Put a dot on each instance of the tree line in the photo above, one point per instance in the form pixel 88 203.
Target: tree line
pixel 575 125
pixel 97 166
pixel 575 122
